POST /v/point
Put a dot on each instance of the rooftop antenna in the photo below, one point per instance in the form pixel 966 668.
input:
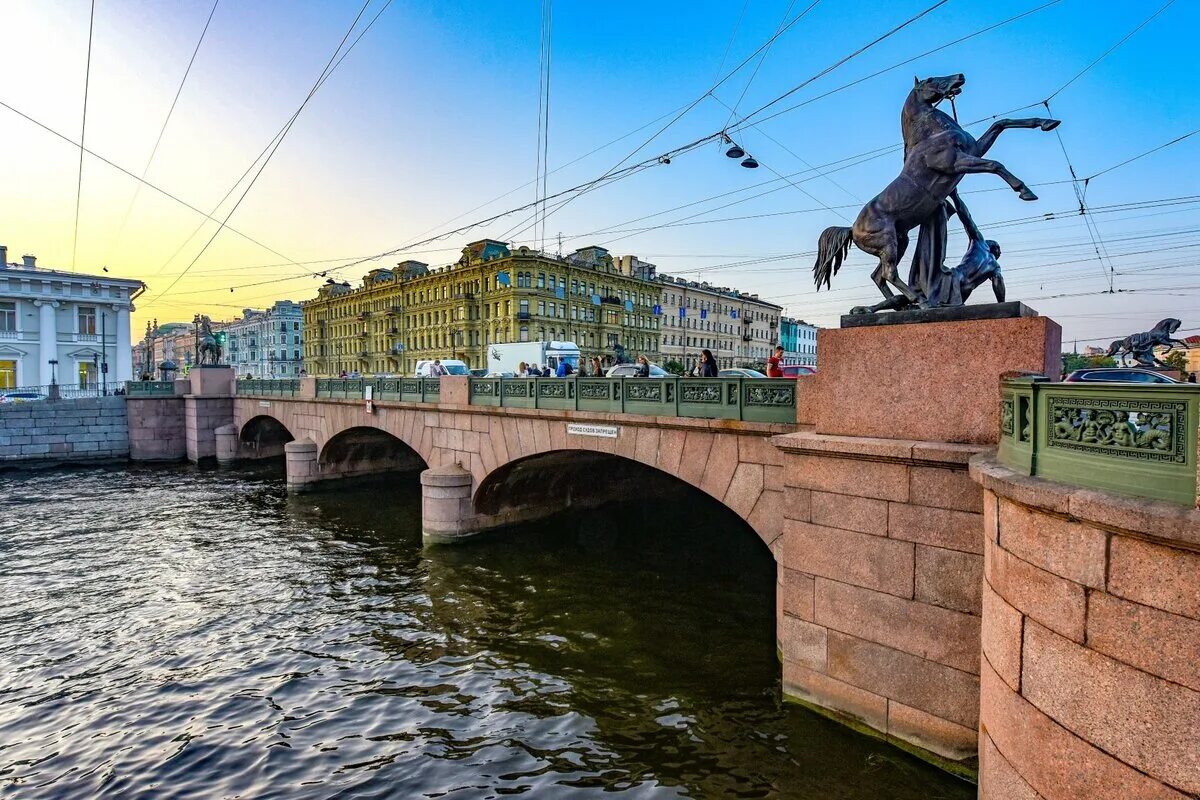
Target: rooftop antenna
pixel 559 253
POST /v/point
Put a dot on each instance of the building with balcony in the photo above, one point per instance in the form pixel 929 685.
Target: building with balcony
pixel 63 326
pixel 799 340
pixel 491 295
pixel 736 327
pixel 266 344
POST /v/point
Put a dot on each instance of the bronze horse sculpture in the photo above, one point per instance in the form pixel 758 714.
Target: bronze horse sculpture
pixel 938 153
pixel 1141 345
pixel 208 351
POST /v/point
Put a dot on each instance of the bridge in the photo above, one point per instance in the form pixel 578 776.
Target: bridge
pixel 954 597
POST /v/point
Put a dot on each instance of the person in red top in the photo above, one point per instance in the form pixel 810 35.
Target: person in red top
pixel 775 363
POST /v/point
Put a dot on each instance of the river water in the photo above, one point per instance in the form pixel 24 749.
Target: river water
pixel 168 632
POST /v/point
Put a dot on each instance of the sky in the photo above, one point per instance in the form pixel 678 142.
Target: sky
pixel 431 123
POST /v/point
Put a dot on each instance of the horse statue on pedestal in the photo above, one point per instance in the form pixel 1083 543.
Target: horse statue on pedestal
pixel 938 153
pixel 208 351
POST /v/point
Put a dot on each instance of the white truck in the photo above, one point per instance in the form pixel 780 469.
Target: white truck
pixel 507 358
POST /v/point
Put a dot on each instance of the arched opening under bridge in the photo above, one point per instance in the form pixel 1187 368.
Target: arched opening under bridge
pixel 367 451
pixel 263 437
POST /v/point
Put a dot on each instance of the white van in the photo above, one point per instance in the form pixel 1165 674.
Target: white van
pixel 453 367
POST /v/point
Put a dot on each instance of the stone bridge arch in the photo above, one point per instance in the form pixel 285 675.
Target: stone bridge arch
pixel 365 450
pixel 263 436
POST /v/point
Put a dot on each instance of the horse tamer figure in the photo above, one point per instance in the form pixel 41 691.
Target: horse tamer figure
pixel 209 349
pixel 938 153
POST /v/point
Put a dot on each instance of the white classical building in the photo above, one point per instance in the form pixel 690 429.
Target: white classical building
pixel 267 344
pixel 64 326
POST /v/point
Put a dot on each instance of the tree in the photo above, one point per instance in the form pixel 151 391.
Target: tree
pixel 1176 359
pixel 674 367
pixel 1074 361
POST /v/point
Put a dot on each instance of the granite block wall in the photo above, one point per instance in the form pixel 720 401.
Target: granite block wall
pixel 88 429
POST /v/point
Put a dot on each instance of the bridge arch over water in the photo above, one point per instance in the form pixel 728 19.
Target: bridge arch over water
pixel 263 436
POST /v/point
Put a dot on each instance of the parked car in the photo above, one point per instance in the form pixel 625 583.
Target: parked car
pixel 478 373
pixel 796 370
pixel 1119 375
pixel 631 370
pixel 21 396
pixel 739 372
pixel 453 367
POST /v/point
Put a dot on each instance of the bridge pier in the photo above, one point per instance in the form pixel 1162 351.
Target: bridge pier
pixel 227 444
pixel 447 515
pixel 301 464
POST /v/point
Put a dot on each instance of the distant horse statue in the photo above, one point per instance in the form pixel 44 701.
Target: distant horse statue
pixel 1140 346
pixel 938 153
pixel 209 349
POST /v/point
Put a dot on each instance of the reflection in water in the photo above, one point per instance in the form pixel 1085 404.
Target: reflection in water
pixel 167 632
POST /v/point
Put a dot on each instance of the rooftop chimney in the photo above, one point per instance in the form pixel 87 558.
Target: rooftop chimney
pixel 29 261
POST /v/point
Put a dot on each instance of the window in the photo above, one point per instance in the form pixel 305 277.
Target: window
pixel 541 280
pixel 524 308
pixel 87 320
pixel 8 373
pixel 8 318
pixel 524 334
pixel 541 307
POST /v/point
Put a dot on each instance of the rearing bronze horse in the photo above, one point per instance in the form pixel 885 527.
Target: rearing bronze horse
pixel 938 153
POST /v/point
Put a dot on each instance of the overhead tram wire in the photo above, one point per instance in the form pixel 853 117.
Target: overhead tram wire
pixel 877 73
pixel 642 165
pixel 274 142
pixel 135 177
pixel 87 79
pixel 682 113
pixel 763 58
pixel 1079 189
pixel 329 67
pixel 745 120
pixel 170 111
pixel 1110 50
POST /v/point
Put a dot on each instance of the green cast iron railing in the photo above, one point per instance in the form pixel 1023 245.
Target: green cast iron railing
pixel 149 388
pixel 408 390
pixel 256 387
pixel 747 399
pixel 1137 439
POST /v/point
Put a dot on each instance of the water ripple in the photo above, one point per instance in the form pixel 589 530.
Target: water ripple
pixel 178 633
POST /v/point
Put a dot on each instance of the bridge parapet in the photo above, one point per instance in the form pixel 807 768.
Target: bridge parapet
pixel 770 400
pixel 1090 671
pixel 1137 439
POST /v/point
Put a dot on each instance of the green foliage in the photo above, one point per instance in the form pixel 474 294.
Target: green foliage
pixel 674 367
pixel 1176 360
pixel 1074 361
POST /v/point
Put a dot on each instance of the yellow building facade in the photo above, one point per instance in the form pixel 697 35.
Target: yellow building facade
pixel 492 295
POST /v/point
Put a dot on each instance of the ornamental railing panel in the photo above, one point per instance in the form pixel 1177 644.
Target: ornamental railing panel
pixel 752 400
pixel 1137 439
pixel 149 388
pixel 263 387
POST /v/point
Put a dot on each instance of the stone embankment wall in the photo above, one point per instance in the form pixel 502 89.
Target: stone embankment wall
pixel 156 430
pixel 1090 676
pixel 880 567
pixel 88 429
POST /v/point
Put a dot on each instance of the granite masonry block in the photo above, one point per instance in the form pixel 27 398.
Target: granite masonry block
pixel 932 687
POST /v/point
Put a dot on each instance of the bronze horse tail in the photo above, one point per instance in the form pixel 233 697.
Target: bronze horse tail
pixel 832 248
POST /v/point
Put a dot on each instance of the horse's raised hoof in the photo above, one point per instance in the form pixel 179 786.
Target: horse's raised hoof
pixel 1050 124
pixel 1025 194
